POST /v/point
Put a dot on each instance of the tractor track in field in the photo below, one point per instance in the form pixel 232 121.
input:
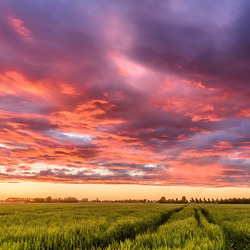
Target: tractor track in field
pixel 233 242
pixel 229 244
pixel 210 221
pixel 131 235
pixel 197 217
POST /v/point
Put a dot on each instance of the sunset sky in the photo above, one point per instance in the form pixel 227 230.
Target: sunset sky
pixel 151 95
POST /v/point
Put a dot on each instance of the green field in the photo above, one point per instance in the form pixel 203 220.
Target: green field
pixel 124 226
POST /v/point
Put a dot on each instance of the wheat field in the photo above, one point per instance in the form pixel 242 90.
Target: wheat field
pixel 124 226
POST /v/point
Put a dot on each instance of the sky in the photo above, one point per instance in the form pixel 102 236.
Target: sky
pixel 102 96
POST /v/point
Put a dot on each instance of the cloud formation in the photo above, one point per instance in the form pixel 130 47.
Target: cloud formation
pixel 125 92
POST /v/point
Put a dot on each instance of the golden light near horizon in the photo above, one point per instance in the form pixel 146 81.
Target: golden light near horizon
pixel 116 192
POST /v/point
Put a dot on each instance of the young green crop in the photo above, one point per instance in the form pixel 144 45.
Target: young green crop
pixel 124 226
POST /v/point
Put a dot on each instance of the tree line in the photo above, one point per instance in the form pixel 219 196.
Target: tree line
pixel 162 200
pixel 222 201
pixel 204 200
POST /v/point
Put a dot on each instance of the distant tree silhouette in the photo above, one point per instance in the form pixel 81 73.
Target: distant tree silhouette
pixel 163 200
pixel 39 200
pixel 184 199
pixel 70 200
pixel 49 199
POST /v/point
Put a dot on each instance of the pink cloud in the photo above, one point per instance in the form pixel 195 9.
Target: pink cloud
pixel 20 28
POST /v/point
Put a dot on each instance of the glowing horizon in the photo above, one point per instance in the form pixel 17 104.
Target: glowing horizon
pixel 117 191
pixel 96 93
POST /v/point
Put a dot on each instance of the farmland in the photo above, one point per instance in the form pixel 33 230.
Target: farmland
pixel 124 226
